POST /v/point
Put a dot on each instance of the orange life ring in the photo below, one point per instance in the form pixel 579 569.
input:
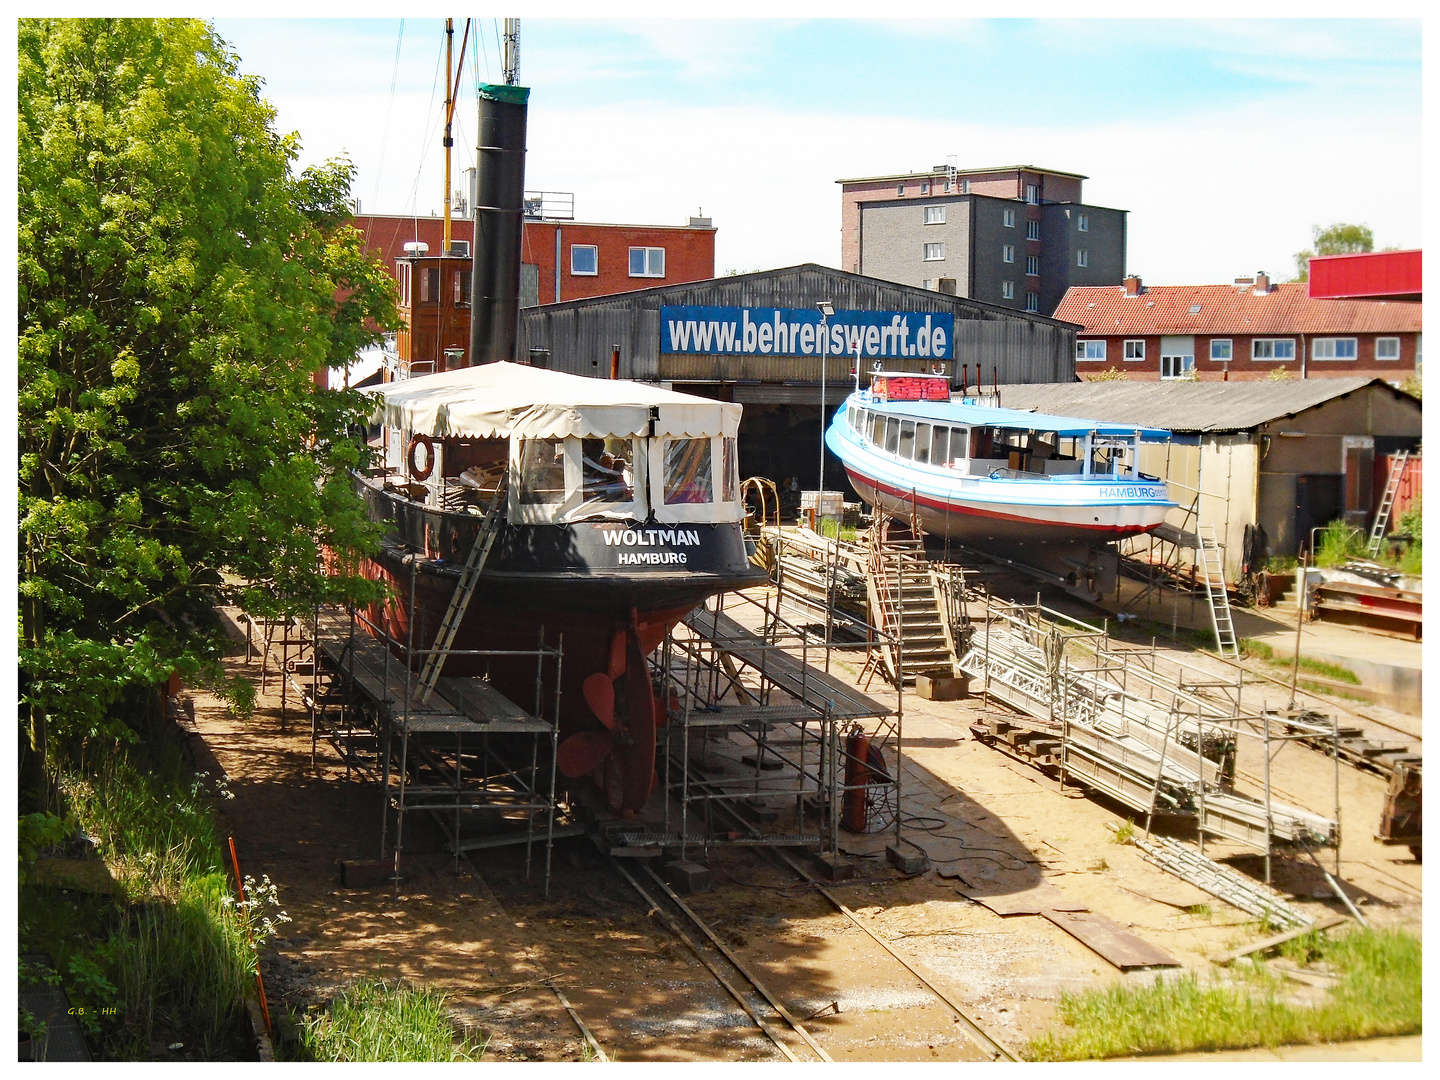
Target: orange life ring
pixel 415 443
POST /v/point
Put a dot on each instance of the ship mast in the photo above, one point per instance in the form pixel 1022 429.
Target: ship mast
pixel 451 86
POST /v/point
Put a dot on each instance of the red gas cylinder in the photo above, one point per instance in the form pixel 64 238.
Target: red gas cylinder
pixel 854 815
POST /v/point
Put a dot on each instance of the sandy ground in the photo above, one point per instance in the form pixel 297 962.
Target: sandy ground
pixel 489 941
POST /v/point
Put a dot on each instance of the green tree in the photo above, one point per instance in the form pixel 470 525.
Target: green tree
pixel 179 288
pixel 1338 239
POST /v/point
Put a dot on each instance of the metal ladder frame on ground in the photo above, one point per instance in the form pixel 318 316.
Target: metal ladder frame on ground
pixel 1382 515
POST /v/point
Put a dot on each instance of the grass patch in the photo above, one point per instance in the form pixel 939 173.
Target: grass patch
pixel 377 1021
pixel 831 528
pixel 1379 994
pixel 1326 670
pixel 167 960
pixel 1339 543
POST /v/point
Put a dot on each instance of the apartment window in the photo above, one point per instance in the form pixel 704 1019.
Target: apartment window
pixel 1007 217
pixel 934 252
pixel 1032 230
pixel 647 262
pixel 964 187
pixel 1082 257
pixel 1032 194
pixel 585 259
pixel 461 279
pixel 1032 301
pixel 1387 348
pixel 947 186
pixel 1272 349
pixel 1220 350
pixel 1088 350
pixel 927 283
pixel 1083 225
pixel 934 215
pixel 1333 348
pixel 1176 367
pixel 1007 253
pixel 1032 265
pixel 1007 290
pixel 924 187
pixel 1135 349
pixel 899 189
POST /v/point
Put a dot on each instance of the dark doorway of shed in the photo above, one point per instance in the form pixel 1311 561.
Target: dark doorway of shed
pixel 1318 501
pixel 783 441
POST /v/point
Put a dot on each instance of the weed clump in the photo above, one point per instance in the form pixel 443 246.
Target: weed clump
pixel 377 1021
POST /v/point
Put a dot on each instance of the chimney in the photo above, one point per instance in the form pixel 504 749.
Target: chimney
pixel 1262 283
pixel 1243 283
pixel 1133 286
pixel 498 209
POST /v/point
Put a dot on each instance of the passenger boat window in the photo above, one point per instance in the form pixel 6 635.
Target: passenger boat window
pixel 877 429
pixel 892 435
pixel 940 446
pixel 687 471
pixel 922 443
pixel 729 471
pixel 607 470
pixel 542 471
pixel 907 438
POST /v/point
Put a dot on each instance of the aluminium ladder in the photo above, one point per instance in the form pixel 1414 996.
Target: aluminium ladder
pixel 1212 566
pixel 460 599
pixel 1382 516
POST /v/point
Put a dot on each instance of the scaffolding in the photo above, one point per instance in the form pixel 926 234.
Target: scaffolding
pixel 464 754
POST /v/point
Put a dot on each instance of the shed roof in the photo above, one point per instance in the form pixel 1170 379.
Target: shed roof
pixel 1226 309
pixel 1184 406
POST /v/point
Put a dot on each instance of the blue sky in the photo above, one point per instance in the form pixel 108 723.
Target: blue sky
pixel 1226 140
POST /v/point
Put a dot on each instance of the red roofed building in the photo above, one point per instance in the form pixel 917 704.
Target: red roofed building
pixel 1242 331
pixel 1369 275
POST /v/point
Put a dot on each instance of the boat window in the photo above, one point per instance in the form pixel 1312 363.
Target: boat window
pixel 687 471
pixel 542 471
pixel 922 443
pixel 892 435
pixel 940 446
pixel 907 438
pixel 877 428
pixel 607 470
pixel 729 471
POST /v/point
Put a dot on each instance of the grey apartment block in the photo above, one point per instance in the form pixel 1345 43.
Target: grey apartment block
pixel 894 235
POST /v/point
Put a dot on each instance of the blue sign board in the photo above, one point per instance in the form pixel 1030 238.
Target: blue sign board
pixel 752 331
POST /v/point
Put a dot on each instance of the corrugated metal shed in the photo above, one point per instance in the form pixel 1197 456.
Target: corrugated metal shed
pixel 581 333
pixel 1183 406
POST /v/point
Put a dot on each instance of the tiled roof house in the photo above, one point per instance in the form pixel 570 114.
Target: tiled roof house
pixel 1239 332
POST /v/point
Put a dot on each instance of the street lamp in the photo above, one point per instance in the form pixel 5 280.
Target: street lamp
pixel 827 309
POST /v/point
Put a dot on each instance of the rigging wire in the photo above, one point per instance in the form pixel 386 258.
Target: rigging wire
pixel 436 119
pixel 389 105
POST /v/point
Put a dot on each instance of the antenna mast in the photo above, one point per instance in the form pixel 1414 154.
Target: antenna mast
pixel 450 88
pixel 512 52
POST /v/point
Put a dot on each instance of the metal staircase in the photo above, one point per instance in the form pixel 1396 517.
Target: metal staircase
pixel 903 604
pixel 1382 516
pixel 464 590
pixel 1212 573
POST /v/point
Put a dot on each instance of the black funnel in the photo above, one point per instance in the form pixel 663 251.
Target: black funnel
pixel 499 220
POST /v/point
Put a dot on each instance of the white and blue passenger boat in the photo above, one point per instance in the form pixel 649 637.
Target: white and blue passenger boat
pixel 1050 492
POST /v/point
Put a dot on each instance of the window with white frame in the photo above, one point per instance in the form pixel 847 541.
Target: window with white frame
pixel 964 187
pixel 1082 257
pixel 1032 194
pixel 1032 230
pixel 947 186
pixel 1135 349
pixel 1220 350
pixel 934 252
pixel 899 189
pixel 1387 348
pixel 1007 218
pixel 1032 265
pixel 927 283
pixel 647 262
pixel 585 260
pixel 1272 349
pixel 1176 367
pixel 1088 350
pixel 1007 253
pixel 1333 348
pixel 934 215
pixel 1032 301
pixel 1007 290
pixel 924 187
pixel 1083 223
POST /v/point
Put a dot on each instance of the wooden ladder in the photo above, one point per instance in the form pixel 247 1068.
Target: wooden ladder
pixel 1212 567
pixel 1382 516
pixel 460 599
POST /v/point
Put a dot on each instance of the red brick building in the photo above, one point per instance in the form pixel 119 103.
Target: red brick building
pixel 594 259
pixel 1242 331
